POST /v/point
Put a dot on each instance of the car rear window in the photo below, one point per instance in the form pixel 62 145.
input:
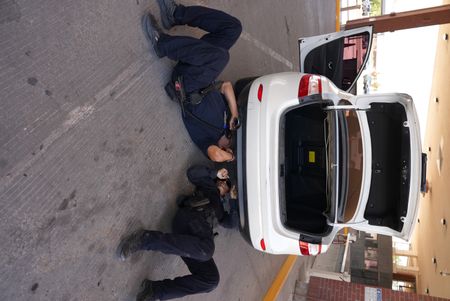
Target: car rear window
pixel 340 60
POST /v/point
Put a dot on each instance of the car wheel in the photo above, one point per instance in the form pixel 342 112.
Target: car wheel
pixel 242 83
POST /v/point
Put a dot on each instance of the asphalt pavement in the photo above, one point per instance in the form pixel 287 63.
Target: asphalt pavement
pixel 91 148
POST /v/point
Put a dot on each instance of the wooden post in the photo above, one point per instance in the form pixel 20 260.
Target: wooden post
pixel 404 20
pixel 338 15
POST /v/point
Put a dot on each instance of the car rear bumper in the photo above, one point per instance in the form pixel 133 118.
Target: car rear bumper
pixel 241 165
pixel 249 173
pixel 257 164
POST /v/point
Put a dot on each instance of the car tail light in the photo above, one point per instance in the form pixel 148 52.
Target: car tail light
pixel 309 85
pixel 309 249
pixel 263 244
pixel 260 92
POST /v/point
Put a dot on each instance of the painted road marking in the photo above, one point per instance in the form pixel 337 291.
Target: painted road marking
pixel 266 49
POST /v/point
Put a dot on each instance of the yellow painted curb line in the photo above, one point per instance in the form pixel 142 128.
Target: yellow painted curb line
pixel 338 15
pixel 278 283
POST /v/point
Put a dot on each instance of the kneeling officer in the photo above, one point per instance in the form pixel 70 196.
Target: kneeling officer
pixel 192 237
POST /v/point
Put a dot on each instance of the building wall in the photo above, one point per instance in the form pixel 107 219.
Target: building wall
pixel 321 289
pixel 381 275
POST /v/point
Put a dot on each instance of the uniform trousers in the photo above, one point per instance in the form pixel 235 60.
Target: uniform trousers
pixel 200 61
pixel 193 240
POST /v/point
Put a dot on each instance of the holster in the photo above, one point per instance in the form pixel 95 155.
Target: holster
pixel 196 203
pixel 196 200
pixel 176 91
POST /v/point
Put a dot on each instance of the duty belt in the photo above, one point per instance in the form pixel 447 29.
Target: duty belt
pixel 175 90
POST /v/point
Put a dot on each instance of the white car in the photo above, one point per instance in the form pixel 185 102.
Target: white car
pixel 313 158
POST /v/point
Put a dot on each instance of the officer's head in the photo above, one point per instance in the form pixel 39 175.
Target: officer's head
pixel 224 186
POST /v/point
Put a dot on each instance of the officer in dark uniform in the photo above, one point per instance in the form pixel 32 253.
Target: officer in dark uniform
pixel 213 112
pixel 192 236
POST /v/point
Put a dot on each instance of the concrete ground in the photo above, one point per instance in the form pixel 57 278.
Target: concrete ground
pixel 91 148
pixel 431 238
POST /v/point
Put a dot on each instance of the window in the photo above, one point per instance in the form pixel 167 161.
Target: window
pixel 340 60
pixel 371 259
pixel 404 286
pixel 402 261
pixel 355 51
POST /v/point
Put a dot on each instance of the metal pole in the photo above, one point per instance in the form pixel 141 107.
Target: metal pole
pixel 351 7
pixel 344 258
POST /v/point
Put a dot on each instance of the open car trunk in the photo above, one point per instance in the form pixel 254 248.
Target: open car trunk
pixel 389 188
pixel 303 173
pixel 307 173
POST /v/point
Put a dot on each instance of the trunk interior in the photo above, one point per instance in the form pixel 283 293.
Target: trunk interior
pixel 389 188
pixel 304 170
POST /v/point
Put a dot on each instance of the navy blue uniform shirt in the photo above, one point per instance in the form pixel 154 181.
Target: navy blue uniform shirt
pixel 212 110
pixel 203 179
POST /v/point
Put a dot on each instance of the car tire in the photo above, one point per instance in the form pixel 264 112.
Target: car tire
pixel 242 83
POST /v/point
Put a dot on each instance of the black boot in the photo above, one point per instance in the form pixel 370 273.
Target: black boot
pixel 130 244
pixel 181 200
pixel 167 8
pixel 152 32
pixel 146 293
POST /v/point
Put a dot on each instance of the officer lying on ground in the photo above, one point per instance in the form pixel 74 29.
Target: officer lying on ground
pixel 192 237
pixel 200 61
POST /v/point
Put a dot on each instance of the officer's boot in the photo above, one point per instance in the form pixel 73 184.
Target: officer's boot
pixel 167 8
pixel 130 244
pixel 181 201
pixel 146 293
pixel 152 32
